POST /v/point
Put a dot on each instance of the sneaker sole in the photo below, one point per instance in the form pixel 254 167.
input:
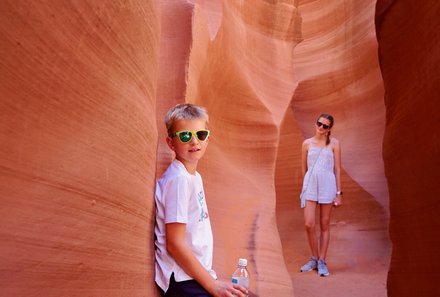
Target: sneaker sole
pixel 301 270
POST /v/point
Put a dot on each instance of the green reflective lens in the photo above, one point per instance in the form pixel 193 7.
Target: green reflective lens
pixel 186 136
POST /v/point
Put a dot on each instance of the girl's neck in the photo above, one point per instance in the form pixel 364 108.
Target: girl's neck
pixel 320 140
pixel 320 137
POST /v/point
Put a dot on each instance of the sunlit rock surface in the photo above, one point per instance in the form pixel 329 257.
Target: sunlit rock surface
pixel 77 147
pixel 240 67
pixel 338 73
pixel 265 71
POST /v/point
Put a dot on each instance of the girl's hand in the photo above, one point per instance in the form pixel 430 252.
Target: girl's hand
pixel 338 201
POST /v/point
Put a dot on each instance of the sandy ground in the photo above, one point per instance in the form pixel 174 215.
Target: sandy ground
pixel 358 266
pixel 358 255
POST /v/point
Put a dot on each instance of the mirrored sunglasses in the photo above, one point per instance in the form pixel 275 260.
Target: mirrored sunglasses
pixel 319 124
pixel 186 136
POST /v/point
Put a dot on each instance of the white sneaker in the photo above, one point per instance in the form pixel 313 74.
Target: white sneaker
pixel 322 268
pixel 312 264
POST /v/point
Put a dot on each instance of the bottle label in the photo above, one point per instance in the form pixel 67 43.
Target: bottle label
pixel 242 281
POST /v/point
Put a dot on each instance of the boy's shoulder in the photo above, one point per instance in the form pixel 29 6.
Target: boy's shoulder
pixel 176 170
pixel 177 177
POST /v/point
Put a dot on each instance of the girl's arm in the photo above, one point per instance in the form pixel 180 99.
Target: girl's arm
pixel 337 154
pixel 304 150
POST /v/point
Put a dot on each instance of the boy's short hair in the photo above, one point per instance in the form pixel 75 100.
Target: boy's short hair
pixel 185 111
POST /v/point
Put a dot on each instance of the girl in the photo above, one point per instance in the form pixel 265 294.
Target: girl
pixel 321 168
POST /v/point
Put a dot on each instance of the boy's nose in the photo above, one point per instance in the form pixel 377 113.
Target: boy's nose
pixel 194 139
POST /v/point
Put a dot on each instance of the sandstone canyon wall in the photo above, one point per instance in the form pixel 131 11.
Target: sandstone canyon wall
pixel 84 90
pixel 239 65
pixel 409 42
pixel 265 70
pixel 77 147
pixel 338 72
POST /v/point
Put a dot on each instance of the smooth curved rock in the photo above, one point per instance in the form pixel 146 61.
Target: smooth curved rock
pixel 338 73
pixel 409 48
pixel 77 149
pixel 247 87
pixel 258 81
pixel 84 90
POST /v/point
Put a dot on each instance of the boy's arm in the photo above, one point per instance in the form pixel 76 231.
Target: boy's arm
pixel 182 254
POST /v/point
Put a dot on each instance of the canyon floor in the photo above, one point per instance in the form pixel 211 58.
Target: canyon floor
pixel 358 255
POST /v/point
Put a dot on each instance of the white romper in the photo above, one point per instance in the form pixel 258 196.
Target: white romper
pixel 320 180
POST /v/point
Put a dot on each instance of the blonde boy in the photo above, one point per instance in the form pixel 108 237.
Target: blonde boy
pixel 184 241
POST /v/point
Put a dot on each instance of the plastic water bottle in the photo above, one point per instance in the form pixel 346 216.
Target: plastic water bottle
pixel 241 275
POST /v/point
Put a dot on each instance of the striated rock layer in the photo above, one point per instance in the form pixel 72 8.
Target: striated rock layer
pixel 264 76
pixel 338 73
pixel 240 68
pixel 84 90
pixel 77 147
pixel 409 43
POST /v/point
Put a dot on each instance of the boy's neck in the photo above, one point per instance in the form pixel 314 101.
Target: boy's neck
pixel 190 167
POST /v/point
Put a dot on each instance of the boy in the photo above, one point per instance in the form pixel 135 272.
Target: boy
pixel 184 242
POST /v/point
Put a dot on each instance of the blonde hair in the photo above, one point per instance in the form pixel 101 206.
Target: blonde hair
pixel 185 111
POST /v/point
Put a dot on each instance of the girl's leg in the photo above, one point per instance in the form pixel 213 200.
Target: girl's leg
pixel 310 225
pixel 324 220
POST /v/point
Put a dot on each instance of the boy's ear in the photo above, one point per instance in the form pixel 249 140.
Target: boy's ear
pixel 170 143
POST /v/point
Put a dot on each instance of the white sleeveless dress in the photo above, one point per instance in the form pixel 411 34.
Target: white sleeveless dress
pixel 320 181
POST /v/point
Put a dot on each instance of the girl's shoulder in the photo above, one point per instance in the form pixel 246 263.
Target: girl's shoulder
pixel 308 140
pixel 334 142
pixel 306 143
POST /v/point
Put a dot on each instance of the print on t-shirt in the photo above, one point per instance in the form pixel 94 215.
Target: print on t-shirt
pixel 203 210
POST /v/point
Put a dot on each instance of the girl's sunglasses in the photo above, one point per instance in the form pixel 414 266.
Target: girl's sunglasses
pixel 319 124
pixel 186 136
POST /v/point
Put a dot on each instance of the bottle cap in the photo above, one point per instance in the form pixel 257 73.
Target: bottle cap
pixel 242 262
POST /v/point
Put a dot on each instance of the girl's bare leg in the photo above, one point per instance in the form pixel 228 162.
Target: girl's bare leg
pixel 324 238
pixel 310 226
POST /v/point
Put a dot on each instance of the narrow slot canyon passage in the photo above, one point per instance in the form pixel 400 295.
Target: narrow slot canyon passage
pixel 84 88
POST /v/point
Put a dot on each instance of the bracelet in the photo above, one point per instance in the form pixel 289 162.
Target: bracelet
pixel 339 193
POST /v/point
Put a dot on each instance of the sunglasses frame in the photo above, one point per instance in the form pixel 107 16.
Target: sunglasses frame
pixel 324 126
pixel 193 133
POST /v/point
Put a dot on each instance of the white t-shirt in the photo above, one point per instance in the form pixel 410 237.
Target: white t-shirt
pixel 180 199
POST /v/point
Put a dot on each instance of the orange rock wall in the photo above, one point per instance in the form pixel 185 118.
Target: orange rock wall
pixel 240 68
pixel 77 147
pixel 338 72
pixel 265 71
pixel 409 43
pixel 84 89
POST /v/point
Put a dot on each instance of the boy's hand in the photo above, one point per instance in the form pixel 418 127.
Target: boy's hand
pixel 226 289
